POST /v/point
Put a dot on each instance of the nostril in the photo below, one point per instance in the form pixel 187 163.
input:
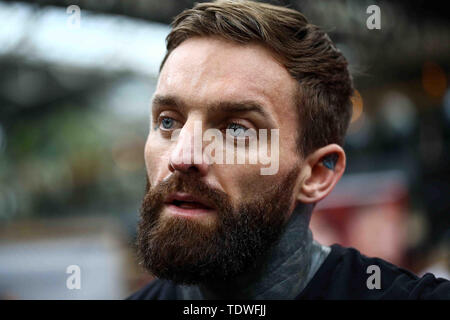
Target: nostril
pixel 183 167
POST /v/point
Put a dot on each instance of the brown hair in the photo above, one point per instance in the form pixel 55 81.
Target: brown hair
pixel 325 86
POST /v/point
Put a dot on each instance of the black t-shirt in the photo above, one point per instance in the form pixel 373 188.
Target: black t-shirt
pixel 343 275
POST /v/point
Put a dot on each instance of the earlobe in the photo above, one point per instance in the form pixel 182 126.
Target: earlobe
pixel 321 171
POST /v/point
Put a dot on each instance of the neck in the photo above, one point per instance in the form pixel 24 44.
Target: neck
pixel 281 274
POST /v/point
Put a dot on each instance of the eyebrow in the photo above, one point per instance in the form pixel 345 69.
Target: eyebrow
pixel 171 101
pixel 238 107
pixel 244 106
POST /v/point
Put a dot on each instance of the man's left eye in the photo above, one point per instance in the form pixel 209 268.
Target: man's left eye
pixel 236 130
pixel 167 123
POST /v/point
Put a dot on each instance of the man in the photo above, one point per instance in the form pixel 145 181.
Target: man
pixel 214 229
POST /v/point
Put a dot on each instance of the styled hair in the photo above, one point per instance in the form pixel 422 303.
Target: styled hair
pixel 323 98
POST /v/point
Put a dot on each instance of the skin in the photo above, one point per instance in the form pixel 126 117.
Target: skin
pixel 204 71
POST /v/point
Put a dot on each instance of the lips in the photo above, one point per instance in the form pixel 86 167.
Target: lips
pixel 187 202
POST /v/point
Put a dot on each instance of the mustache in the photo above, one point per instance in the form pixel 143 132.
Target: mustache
pixel 180 182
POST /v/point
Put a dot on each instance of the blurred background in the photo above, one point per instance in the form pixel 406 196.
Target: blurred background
pixel 74 115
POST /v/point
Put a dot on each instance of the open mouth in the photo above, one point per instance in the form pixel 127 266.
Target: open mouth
pixel 189 205
pixel 185 203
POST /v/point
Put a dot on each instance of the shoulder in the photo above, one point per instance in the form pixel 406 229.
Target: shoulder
pixel 348 274
pixel 157 289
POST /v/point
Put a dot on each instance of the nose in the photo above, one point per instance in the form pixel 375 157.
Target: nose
pixel 187 154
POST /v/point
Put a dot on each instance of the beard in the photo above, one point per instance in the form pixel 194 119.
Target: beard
pixel 189 252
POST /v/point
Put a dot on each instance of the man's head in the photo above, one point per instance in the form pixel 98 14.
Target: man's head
pixel 234 66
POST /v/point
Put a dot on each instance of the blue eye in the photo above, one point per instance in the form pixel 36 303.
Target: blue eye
pixel 236 130
pixel 167 123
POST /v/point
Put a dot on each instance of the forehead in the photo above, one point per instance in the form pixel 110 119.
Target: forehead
pixel 204 70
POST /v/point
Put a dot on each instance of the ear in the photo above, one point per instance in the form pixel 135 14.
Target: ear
pixel 321 170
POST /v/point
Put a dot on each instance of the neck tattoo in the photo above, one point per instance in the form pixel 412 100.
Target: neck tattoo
pixel 282 273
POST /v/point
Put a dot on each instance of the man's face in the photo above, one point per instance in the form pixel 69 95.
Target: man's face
pixel 202 221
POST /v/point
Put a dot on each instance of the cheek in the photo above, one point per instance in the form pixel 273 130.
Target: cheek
pixel 156 160
pixel 148 156
pixel 245 182
pixel 257 184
